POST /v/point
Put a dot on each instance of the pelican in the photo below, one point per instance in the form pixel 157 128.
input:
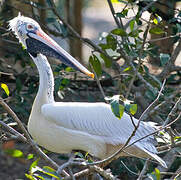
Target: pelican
pixel 65 126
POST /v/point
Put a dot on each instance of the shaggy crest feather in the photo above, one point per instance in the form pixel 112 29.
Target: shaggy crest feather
pixel 17 21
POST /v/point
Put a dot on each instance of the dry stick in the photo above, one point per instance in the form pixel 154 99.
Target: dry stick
pixel 163 38
pixel 98 83
pixel 99 170
pixel 28 138
pixel 143 171
pixel 155 131
pixel 177 173
pixel 171 62
pixel 156 108
pixel 114 14
pixel 157 98
pixel 128 169
pixel 79 174
pixel 12 131
pixel 172 111
pixel 166 148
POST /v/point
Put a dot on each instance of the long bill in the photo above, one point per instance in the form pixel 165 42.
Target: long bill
pixel 52 49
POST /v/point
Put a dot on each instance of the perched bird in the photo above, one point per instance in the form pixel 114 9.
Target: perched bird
pixel 65 126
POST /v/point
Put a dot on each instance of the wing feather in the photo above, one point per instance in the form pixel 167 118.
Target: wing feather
pixel 95 119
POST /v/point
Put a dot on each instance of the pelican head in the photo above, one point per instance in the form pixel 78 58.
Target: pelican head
pixel 36 41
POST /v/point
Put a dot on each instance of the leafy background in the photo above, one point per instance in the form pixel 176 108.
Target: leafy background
pixel 127 60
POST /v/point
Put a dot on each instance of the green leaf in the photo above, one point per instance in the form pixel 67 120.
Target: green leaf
pixel 177 138
pixel 69 69
pixel 112 42
pixel 30 156
pixel 164 58
pixel 156 30
pixel 50 172
pixel 107 61
pixel 119 32
pixel 155 21
pixel 94 61
pixel 23 46
pixel 14 153
pixel 104 46
pixel 65 81
pixel 30 176
pixel 115 1
pixel 131 24
pixel 133 108
pixel 5 88
pixel 157 174
pixel 134 33
pixel 123 14
pixel 117 108
pixel 127 69
pixel 34 164
pixel 47 168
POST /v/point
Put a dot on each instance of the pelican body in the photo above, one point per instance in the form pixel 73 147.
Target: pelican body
pixel 65 126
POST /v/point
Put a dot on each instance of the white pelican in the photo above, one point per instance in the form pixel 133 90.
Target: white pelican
pixel 65 126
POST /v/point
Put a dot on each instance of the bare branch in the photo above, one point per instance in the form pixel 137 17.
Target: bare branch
pixel 157 98
pixel 166 101
pixel 145 167
pixel 170 65
pixel 114 14
pixel 172 112
pixel 28 137
pixel 12 131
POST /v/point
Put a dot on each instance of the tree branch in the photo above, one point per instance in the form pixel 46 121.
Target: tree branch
pixel 27 136
pixel 168 68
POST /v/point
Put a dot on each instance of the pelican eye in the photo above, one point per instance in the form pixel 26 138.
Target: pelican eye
pixel 30 27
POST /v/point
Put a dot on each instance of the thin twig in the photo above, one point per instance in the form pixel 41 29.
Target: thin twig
pixel 171 62
pixel 128 168
pixel 157 98
pixel 13 131
pixel 176 119
pixel 163 103
pixel 172 112
pixel 98 83
pixel 114 14
pixel 145 167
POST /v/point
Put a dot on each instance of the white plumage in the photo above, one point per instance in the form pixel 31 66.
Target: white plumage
pixel 62 127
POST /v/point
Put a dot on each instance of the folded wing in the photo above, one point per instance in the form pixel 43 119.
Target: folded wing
pixel 96 119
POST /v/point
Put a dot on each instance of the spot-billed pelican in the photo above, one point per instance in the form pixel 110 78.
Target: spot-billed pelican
pixel 65 126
